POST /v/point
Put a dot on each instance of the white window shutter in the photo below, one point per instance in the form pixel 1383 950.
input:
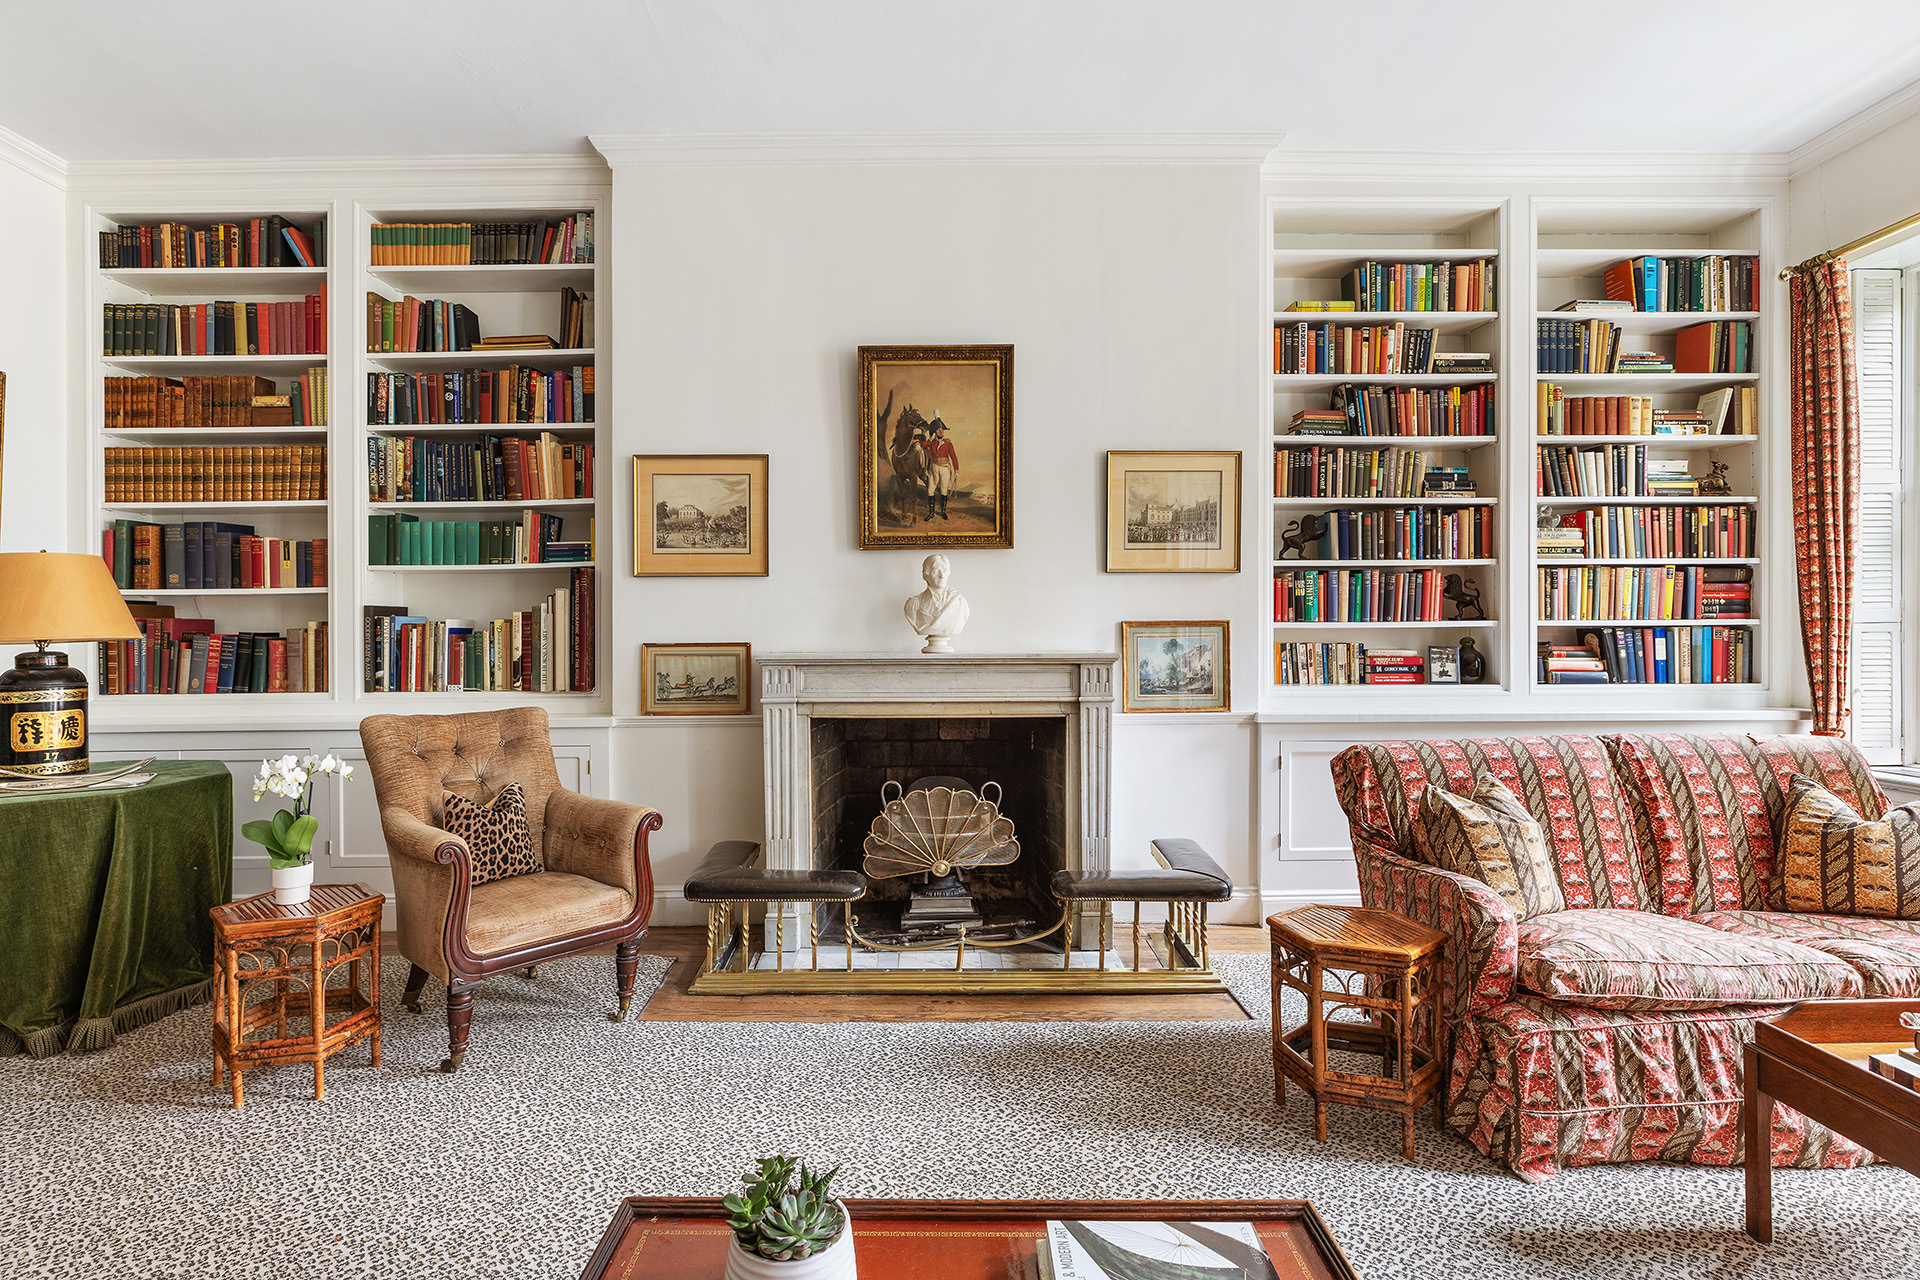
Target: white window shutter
pixel 1878 640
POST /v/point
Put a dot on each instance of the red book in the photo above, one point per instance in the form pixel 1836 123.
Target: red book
pixel 319 572
pixel 276 665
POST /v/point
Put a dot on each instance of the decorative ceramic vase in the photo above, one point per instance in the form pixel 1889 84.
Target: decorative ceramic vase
pixel 1473 663
pixel 292 885
pixel 835 1262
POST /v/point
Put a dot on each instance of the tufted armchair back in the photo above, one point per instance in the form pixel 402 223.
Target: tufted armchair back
pixel 414 759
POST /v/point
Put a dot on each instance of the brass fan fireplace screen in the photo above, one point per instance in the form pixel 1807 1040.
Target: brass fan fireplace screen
pixel 939 830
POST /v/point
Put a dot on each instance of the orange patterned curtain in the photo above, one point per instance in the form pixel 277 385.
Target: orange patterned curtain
pixel 1826 481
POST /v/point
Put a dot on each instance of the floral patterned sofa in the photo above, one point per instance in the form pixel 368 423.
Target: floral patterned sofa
pixel 1612 1031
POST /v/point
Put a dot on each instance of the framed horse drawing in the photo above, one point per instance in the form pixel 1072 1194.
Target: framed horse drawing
pixel 936 447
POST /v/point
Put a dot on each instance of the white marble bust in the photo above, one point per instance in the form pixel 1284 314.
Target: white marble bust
pixel 939 612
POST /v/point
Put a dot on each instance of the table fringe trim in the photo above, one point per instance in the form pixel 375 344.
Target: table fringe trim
pixel 99 1033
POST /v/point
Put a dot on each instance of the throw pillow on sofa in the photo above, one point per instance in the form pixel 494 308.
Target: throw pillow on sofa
pixel 1491 837
pixel 497 835
pixel 1833 860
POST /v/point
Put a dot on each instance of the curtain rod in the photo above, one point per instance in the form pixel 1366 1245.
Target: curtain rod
pixel 1872 237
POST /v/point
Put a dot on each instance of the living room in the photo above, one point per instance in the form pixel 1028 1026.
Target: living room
pixel 781 200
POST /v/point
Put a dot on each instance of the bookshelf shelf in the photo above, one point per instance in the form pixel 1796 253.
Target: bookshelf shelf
pixel 504 278
pixel 199 435
pixel 1431 443
pixel 193 282
pixel 1438 321
pixel 1733 500
pixel 546 566
pixel 1328 381
pixel 1444 624
pixel 1616 383
pixel 174 366
pixel 1658 441
pixel 580 430
pixel 1650 321
pixel 1378 564
pixel 1385 502
pixel 304 504
pixel 538 504
pixel 135 593
pixel 558 358
pixel 1650 622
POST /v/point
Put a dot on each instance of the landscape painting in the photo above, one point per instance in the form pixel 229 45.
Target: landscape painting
pixel 1173 512
pixel 936 447
pixel 695 679
pixel 704 516
pixel 1175 666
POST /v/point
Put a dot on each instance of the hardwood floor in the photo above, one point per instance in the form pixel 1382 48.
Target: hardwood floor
pixel 685 947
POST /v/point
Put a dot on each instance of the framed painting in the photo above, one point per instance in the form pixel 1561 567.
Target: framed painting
pixel 700 515
pixel 695 679
pixel 1175 666
pixel 1173 512
pixel 936 447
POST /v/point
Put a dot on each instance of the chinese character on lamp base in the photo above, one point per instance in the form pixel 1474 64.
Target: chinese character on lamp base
pixel 43 702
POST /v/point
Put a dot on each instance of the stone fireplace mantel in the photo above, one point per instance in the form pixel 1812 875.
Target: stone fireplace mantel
pixel 797 688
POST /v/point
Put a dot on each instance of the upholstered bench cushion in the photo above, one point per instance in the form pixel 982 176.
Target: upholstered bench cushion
pixel 520 910
pixel 1885 952
pixel 1637 960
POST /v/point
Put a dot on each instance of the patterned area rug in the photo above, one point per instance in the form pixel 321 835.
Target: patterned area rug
pixel 129 1162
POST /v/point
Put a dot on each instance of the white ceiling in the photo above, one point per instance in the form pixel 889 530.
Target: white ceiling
pixel 104 80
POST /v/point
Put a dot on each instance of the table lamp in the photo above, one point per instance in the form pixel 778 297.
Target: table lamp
pixel 43 701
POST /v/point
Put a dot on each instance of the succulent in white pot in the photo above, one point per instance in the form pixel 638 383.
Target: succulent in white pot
pixel 788 1226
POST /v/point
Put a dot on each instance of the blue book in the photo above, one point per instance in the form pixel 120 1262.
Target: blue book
pixel 1649 284
pixel 1660 656
pixel 228 656
pixel 193 531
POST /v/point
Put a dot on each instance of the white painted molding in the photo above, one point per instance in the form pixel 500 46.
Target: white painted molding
pixel 32 158
pixel 936 148
pixel 1274 900
pixel 1459 167
pixel 460 174
pixel 1854 130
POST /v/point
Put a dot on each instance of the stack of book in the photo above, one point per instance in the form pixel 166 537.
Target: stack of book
pixel 1572 664
pixel 1318 422
pixel 1449 482
pixel 1717 282
pixel 1579 305
pixel 1460 362
pixel 1396 666
pixel 517 342
pixel 1560 541
pixel 545 648
pixel 1642 362
pixel 1309 304
pixel 1669 478
pixel 205 555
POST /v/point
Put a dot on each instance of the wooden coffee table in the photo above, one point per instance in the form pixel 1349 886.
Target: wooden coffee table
pixel 672 1238
pixel 1814 1060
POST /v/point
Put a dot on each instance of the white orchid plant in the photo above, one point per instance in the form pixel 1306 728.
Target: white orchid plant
pixel 288 835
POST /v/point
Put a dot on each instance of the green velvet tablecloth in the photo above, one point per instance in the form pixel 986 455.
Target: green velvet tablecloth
pixel 104 898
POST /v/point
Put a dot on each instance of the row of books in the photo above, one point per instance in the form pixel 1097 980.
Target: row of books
pixel 205 555
pixel 217 473
pixel 1416 411
pixel 187 655
pixel 1715 532
pixel 399 537
pixel 1594 346
pixel 1715 282
pixel 1389 348
pixel 1349 662
pixel 1723 411
pixel 1317 471
pixel 1401 533
pixel 1577 346
pixel 258 242
pixel 1423 286
pixel 218 328
pixel 513 394
pixel 546 648
pixel 212 401
pixel 1644 592
pixel 539 240
pixel 1716 346
pixel 1612 470
pixel 1657 655
pixel 419 324
pixel 1358 595
pixel 490 469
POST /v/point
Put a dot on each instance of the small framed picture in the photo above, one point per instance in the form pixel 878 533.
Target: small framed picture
pixel 1174 666
pixel 695 679
pixel 1443 664
pixel 700 515
pixel 1173 512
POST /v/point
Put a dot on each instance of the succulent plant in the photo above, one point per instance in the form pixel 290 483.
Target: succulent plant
pixel 787 1210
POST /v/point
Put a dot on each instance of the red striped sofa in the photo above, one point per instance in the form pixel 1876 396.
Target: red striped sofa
pixel 1612 1031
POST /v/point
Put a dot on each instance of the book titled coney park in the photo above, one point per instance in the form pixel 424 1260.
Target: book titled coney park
pixel 1153 1251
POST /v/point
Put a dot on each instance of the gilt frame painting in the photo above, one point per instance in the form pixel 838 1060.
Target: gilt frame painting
pixel 935 441
pixel 696 679
pixel 1176 666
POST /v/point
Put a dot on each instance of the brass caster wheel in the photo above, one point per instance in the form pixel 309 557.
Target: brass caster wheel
pixel 412 1004
pixel 452 1064
pixel 528 975
pixel 621 1016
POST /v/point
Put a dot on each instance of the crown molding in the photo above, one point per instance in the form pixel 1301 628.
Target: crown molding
pixel 1854 130
pixel 426 173
pixel 33 159
pixel 1529 166
pixel 935 148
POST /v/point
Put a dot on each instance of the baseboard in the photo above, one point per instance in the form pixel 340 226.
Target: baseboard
pixel 1273 901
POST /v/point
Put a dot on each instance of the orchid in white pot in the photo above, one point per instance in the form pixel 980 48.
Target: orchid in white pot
pixel 288 835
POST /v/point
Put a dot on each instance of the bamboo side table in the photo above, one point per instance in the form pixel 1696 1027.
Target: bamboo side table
pixel 288 955
pixel 1401 956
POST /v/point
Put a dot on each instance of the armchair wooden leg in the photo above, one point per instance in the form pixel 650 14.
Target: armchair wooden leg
pixel 626 958
pixel 416 979
pixel 459 1022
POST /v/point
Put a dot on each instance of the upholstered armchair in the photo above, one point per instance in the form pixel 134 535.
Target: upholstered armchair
pixel 596 889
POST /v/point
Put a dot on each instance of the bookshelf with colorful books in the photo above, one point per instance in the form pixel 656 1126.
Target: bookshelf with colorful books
pixel 480 456
pixel 1387 422
pixel 1648 418
pixel 207 392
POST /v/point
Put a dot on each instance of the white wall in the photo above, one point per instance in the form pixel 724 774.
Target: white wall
pixel 741 292
pixel 1849 193
pixel 33 348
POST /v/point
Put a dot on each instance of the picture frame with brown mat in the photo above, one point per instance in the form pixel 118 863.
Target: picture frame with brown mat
pixel 1173 511
pixel 700 515
pixel 935 441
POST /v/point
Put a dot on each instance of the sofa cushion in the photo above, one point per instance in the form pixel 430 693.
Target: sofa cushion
pixel 497 837
pixel 1492 838
pixel 1703 808
pixel 1566 782
pixel 1637 960
pixel 1833 860
pixel 522 910
pixel 1886 953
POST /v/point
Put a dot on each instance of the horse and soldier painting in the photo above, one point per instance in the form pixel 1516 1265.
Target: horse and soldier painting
pixel 936 447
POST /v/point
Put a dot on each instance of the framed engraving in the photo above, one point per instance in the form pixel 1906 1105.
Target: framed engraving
pixel 1173 512
pixel 1175 666
pixel 700 515
pixel 695 679
pixel 936 448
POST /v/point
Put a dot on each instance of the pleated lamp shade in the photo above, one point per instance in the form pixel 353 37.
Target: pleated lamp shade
pixel 47 596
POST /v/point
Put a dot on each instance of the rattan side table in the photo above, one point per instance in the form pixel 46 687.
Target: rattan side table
pixel 1405 1006
pixel 272 967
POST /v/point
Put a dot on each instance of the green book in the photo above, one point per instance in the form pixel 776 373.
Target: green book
pixel 469 542
pixel 379 535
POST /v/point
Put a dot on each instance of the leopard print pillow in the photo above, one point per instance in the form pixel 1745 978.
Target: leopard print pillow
pixel 496 833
